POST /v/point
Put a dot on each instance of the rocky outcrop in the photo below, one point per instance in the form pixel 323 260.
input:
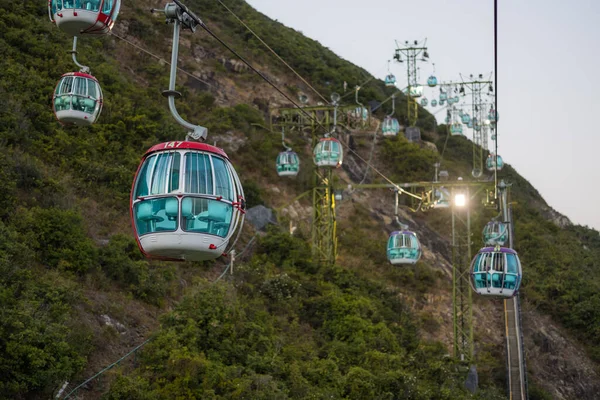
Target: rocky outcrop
pixel 557 218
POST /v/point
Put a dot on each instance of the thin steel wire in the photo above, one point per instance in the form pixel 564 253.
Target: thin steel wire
pixel 274 53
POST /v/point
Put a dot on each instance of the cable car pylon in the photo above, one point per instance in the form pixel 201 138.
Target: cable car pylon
pixel 411 51
pixel 478 118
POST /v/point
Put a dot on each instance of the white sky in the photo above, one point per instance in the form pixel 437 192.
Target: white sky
pixel 548 67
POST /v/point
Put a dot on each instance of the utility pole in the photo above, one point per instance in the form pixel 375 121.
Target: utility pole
pixel 462 302
pixel 479 115
pixel 411 53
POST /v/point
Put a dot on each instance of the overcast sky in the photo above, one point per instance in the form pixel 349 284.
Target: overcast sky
pixel 548 66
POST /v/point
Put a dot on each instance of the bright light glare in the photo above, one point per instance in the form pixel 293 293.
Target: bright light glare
pixel 460 200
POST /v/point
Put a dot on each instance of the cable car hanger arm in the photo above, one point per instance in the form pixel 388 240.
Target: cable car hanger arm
pixel 179 14
pixel 83 68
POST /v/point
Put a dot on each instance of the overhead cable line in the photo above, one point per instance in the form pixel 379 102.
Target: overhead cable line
pixel 211 33
pixel 496 95
pixel 273 51
pixel 160 59
pixel 361 85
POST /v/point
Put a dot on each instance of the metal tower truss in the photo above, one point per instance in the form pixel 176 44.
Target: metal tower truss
pixel 412 53
pixel 479 116
pixel 324 235
pixel 462 303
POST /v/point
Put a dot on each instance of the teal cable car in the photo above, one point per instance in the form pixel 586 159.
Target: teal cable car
pixel 470 124
pixel 434 103
pixel 77 99
pixel 328 153
pixel 403 247
pixel 288 163
pixel 494 163
pixel 390 126
pixel 493 136
pixel 432 81
pixel 456 129
pixel 186 203
pixel 496 272
pixel 390 80
pixel 442 102
pixel 424 102
pixel 443 96
pixel 466 119
pixel 441 196
pixel 493 115
pixel 495 233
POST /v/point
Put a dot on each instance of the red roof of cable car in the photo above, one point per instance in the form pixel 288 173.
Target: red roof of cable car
pixel 82 74
pixel 169 146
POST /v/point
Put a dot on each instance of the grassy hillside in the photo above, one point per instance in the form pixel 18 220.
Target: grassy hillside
pixel 282 327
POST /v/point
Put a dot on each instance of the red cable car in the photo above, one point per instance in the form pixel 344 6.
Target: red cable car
pixel 186 202
pixel 77 17
pixel 77 99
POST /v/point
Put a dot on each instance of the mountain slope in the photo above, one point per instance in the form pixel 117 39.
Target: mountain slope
pixel 77 294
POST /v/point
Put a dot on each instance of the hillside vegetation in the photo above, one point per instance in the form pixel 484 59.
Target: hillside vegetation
pixel 281 327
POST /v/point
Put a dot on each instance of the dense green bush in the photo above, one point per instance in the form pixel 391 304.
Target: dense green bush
pixel 58 237
pixel 37 345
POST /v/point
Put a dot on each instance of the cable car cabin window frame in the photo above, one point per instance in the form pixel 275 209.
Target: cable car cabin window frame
pixel 403 241
pixel 204 220
pixel 153 186
pixel 188 174
pixel 222 183
pixel 62 94
pixel 96 6
pixel 287 158
pixel 154 217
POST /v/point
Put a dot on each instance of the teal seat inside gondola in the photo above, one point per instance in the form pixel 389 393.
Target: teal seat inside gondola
pixel 62 103
pixel 88 105
pixel 403 253
pixel 510 281
pixel 496 280
pixel 219 217
pixel 153 216
pixel 480 280
pixel 192 223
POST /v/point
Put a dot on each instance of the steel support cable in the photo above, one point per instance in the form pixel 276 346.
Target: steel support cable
pixel 241 254
pixel 148 340
pixel 371 153
pixel 211 33
pixel 274 53
pixel 496 95
pixel 106 369
pixel 160 59
pixel 361 85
